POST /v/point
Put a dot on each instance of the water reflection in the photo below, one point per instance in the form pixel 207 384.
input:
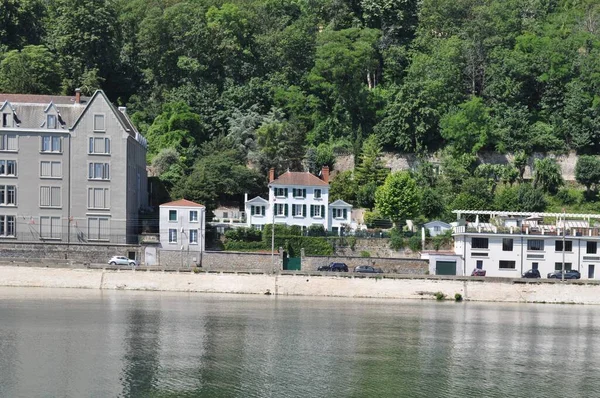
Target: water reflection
pixel 136 344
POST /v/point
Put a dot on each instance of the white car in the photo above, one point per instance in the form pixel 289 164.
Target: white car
pixel 122 260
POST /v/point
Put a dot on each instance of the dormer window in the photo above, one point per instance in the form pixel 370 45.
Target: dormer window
pixel 7 120
pixel 51 121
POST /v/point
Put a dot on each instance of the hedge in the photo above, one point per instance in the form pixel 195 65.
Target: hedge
pixel 239 246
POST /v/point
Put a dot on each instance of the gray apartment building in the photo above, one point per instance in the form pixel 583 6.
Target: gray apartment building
pixel 72 169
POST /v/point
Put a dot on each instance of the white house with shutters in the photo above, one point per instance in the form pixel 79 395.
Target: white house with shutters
pixel 298 198
pixel 182 226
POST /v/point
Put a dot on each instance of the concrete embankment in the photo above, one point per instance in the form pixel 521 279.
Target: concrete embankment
pixel 347 285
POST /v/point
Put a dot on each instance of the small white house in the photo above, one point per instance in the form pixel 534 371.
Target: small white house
pixel 340 216
pixel 436 227
pixel 182 226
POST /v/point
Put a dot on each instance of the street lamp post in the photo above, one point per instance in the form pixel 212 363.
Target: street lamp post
pixel 273 237
pixel 562 275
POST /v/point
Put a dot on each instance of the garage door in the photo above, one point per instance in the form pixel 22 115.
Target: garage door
pixel 445 267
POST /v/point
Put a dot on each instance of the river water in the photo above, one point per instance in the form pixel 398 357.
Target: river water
pixel 88 343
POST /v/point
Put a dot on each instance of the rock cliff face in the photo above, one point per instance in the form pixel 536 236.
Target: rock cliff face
pixel 407 161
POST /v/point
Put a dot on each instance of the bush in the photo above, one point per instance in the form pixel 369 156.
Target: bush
pixel 396 239
pixel 414 242
pixel 234 245
pixel 365 254
pixel 244 234
pixel 316 230
pixel 458 297
pixel 280 230
pixel 439 296
pixel 351 242
pixel 196 270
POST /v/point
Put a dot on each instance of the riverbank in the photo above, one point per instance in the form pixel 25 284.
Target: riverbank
pixel 346 285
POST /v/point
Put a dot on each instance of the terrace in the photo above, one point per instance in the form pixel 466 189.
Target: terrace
pixel 526 223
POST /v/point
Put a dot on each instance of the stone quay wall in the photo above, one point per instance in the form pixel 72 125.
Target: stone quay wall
pixel 63 253
pixel 411 266
pixel 241 261
pixel 318 285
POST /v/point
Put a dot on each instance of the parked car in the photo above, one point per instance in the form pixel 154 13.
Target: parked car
pixel 572 274
pixel 367 269
pixel 478 272
pixel 335 267
pixel 532 273
pixel 122 260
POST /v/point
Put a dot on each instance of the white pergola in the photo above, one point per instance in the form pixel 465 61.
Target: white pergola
pixel 495 213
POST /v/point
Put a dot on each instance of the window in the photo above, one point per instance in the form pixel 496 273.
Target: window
pixel 479 243
pixel 317 211
pixel 340 213
pixel 317 194
pixel 51 121
pixel 592 247
pixel 98 228
pixel 193 215
pixel 437 228
pixel 281 209
pixel 534 266
pixel 257 210
pixel 50 196
pixel 50 227
pixel 558 266
pixel 8 142
pixel 281 192
pixel 298 210
pixel 7 120
pixel 98 198
pixel 99 171
pixel 299 193
pixel 98 122
pixel 225 214
pixel 535 244
pixel 7 226
pixel 504 264
pixel 172 215
pixel 8 195
pixel 558 246
pixel 52 143
pixel 50 169
pixel 172 235
pixel 193 236
pixel 99 146
pixel 479 264
pixel 8 167
pixel 507 244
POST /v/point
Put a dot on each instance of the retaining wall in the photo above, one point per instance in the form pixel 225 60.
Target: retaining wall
pixel 52 253
pixel 412 266
pixel 350 286
pixel 241 261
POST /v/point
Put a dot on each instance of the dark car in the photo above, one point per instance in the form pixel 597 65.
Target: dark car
pixel 572 274
pixel 532 273
pixel 478 272
pixel 367 269
pixel 335 267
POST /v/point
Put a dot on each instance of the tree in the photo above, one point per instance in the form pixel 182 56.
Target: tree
pixel 520 162
pixel 398 198
pixel 370 168
pixel 468 128
pixel 587 171
pixel 343 187
pixel 32 70
pixel 547 175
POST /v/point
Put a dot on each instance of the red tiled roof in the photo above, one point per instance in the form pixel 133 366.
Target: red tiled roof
pixel 299 178
pixel 40 99
pixel 182 203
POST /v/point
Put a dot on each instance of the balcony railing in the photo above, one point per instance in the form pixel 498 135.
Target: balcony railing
pixel 540 230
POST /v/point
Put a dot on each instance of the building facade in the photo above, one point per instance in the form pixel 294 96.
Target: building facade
pixel 508 244
pixel 72 169
pixel 298 198
pixel 182 226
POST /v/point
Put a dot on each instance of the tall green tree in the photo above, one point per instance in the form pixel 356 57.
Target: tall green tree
pixel 547 175
pixel 32 70
pixel 398 198
pixel 587 171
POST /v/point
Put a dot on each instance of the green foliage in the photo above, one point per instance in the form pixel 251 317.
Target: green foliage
pixel 351 242
pixel 547 175
pixel 241 246
pixel 244 234
pixel 32 70
pixel 468 128
pixel 439 296
pixel 396 239
pixel 587 171
pixel 398 197
pixel 458 297
pixel 343 186
pixel 415 244
pixel 365 254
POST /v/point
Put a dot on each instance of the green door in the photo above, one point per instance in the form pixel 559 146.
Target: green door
pixel 292 264
pixel 445 267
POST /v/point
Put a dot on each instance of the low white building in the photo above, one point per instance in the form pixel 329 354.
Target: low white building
pixel 437 227
pixel 508 244
pixel 182 226
pixel 298 198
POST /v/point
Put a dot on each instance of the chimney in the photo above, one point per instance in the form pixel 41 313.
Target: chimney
pixel 272 174
pixel 325 174
pixel 78 96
